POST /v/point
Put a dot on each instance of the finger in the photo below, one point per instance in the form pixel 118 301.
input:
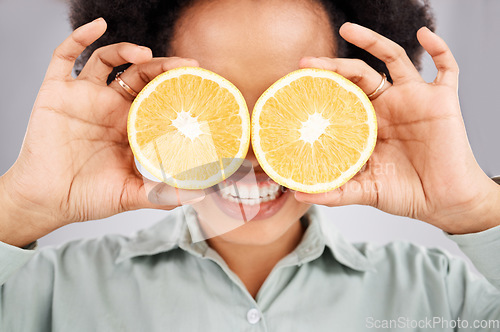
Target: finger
pixel 63 59
pixel 137 76
pixel 141 193
pixel 105 59
pixel 394 56
pixel 357 71
pixel 355 191
pixel 441 55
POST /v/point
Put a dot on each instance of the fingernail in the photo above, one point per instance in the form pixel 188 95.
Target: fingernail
pixel 163 194
pixel 308 58
pixel 307 61
pixel 194 200
pixel 146 50
pixel 100 19
pixel 191 196
pixel 304 199
pixel 193 61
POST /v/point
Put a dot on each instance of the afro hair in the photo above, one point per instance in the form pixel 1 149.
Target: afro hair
pixel 151 23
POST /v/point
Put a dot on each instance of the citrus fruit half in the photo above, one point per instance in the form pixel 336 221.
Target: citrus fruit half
pixel 189 127
pixel 313 130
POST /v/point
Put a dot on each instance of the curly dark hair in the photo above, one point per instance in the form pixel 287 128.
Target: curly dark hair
pixel 151 23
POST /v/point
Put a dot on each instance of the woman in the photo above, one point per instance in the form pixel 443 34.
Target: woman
pixel 289 270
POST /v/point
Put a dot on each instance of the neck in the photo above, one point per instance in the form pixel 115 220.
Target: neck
pixel 253 263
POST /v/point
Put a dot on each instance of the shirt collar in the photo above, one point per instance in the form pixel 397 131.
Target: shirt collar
pixel 343 251
pixel 173 232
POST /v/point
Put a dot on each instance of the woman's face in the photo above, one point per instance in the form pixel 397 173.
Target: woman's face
pixel 252 44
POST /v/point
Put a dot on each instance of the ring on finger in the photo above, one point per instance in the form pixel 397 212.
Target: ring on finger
pixel 378 91
pixel 124 85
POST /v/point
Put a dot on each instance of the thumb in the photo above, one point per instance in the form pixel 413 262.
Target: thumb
pixel 352 192
pixel 147 194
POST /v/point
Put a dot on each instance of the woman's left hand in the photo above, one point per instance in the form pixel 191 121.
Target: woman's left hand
pixel 422 166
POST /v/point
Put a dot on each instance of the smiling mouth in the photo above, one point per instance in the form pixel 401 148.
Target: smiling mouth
pixel 250 194
pixel 250 201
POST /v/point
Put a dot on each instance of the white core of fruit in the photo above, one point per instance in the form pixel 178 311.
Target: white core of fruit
pixel 313 128
pixel 187 125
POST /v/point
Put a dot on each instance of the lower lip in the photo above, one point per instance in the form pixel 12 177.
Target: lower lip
pixel 237 210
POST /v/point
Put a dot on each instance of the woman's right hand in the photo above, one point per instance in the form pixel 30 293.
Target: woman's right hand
pixel 75 163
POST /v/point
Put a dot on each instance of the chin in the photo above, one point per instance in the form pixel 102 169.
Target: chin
pixel 249 213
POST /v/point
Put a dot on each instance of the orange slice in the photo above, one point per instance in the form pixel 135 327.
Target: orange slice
pixel 189 127
pixel 313 130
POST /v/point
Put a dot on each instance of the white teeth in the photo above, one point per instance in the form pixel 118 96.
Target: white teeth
pixel 254 192
pixel 251 195
pixel 269 190
pixel 244 192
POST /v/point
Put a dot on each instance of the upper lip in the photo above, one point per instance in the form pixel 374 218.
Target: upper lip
pixel 248 178
pixel 245 179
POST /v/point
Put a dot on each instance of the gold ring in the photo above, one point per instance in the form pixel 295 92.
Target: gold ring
pixel 373 95
pixel 124 85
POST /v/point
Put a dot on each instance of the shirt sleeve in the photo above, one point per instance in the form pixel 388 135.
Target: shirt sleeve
pixel 483 248
pixel 41 290
pixel 26 289
pixel 474 302
pixel 13 258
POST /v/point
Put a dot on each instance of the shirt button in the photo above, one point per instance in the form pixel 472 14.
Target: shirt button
pixel 253 316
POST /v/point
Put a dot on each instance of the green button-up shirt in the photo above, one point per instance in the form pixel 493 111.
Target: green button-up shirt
pixel 159 280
